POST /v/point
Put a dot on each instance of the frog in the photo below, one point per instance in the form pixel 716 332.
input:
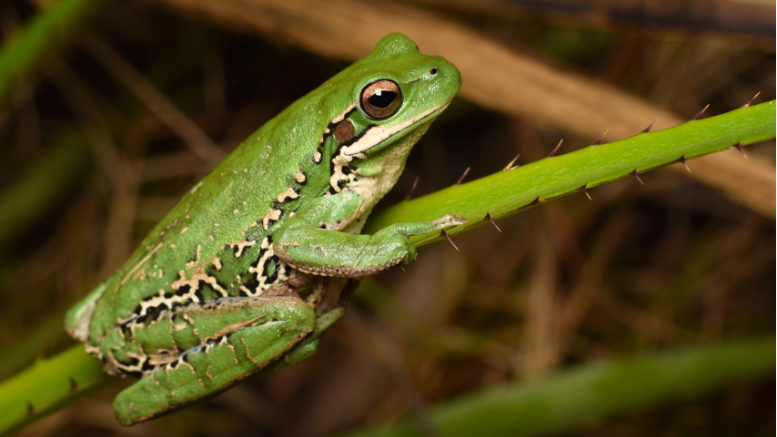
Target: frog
pixel 236 278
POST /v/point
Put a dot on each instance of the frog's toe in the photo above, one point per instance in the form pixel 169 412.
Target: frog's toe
pixel 449 220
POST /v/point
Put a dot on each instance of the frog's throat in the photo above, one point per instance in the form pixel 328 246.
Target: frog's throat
pixel 379 134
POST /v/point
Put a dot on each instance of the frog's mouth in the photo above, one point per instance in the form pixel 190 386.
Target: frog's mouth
pixel 376 135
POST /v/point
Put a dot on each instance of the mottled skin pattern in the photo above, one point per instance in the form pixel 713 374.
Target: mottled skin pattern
pixel 210 296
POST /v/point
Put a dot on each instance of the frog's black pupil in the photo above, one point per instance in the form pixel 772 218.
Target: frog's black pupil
pixel 383 100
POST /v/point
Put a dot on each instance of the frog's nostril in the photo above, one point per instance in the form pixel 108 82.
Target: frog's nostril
pixel 433 71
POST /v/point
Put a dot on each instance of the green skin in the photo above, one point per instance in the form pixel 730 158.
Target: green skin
pixel 210 296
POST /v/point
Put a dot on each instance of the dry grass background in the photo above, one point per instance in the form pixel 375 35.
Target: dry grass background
pixel 160 91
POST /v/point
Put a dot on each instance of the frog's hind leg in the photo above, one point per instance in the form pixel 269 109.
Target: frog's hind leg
pixel 209 368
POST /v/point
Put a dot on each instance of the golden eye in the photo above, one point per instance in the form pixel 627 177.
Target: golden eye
pixel 381 99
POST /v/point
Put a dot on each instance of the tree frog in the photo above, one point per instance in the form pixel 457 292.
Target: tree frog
pixel 211 294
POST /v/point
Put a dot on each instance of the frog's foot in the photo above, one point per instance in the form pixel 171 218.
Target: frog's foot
pixel 447 221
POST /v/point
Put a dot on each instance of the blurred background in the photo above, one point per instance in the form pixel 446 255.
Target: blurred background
pixel 130 103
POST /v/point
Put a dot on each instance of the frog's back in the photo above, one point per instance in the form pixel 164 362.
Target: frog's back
pixel 217 241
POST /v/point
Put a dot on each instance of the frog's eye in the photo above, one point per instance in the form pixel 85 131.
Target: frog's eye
pixel 381 99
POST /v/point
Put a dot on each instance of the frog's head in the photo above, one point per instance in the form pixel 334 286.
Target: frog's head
pixel 396 92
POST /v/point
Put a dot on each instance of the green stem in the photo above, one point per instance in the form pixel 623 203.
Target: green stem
pixel 570 399
pixel 47 386
pixel 507 192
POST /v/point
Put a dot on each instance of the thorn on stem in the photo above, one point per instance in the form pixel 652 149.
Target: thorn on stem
pixel 585 190
pixel 685 163
pixel 650 126
pixel 491 219
pixel 636 175
pixel 412 189
pixel 555 149
pixel 535 201
pixel 696 117
pixel 599 140
pixel 31 410
pixel 738 146
pixel 444 233
pixel 749 102
pixel 509 165
pixel 74 385
pixel 461 178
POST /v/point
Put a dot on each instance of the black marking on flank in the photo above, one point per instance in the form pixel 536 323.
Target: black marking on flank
pixel 250 283
pixel 147 366
pixel 276 207
pixel 255 264
pixel 287 199
pixel 198 293
pixel 273 260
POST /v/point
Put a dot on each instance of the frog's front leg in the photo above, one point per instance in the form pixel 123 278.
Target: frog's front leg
pixel 306 243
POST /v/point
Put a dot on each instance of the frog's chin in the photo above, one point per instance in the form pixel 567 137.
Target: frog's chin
pixel 377 137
